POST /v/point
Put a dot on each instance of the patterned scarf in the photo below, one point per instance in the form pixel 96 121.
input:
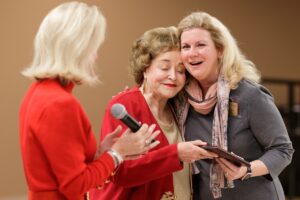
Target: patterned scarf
pixel 195 97
pixel 217 94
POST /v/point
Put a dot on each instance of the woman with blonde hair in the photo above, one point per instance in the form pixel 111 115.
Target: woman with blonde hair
pixel 224 105
pixel 57 143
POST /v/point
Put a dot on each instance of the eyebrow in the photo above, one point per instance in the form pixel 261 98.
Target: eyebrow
pixel 169 60
pixel 202 40
pixel 165 60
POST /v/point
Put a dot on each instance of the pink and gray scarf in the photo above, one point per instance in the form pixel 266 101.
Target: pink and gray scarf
pixel 218 96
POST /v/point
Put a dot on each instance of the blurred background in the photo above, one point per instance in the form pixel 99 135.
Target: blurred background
pixel 267 31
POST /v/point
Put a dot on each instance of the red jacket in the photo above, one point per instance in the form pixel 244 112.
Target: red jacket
pixel 58 145
pixel 149 177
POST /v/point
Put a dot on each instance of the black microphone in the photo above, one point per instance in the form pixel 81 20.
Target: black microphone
pixel 118 111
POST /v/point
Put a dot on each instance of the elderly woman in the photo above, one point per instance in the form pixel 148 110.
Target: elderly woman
pixel 164 172
pixel 57 142
pixel 224 105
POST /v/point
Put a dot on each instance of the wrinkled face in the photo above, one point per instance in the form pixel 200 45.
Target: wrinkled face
pixel 165 77
pixel 199 55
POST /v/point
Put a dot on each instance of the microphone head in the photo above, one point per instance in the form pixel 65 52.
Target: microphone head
pixel 118 111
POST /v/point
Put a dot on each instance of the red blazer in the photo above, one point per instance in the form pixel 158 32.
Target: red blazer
pixel 58 145
pixel 148 177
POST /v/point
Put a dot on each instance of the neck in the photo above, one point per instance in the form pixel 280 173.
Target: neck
pixel 206 84
pixel 158 107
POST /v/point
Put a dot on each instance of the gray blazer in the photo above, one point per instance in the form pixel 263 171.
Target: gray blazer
pixel 257 132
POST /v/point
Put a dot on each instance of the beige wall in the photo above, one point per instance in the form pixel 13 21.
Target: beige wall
pixel 268 32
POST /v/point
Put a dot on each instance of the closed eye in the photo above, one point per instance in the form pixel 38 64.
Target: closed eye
pixel 164 68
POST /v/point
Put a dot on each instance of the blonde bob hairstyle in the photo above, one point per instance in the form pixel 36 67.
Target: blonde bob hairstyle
pixel 151 44
pixel 66 44
pixel 233 63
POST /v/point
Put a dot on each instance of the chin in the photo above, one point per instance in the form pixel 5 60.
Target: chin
pixel 169 95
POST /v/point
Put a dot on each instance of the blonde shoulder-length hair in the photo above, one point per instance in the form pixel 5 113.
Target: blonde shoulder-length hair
pixel 66 44
pixel 233 63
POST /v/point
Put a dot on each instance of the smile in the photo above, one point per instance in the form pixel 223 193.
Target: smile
pixel 196 63
pixel 170 85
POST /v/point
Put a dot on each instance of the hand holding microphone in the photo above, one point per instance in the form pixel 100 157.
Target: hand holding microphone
pixel 130 144
pixel 118 111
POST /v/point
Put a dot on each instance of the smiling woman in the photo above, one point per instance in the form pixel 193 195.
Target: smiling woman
pixel 165 77
pixel 226 106
pixel 200 56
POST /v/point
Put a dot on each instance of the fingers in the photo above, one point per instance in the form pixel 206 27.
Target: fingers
pixel 198 143
pixel 108 141
pixel 207 154
pixel 141 141
pixel 152 145
pixel 115 132
pixel 188 152
pixel 150 142
pixel 145 130
pixel 142 131
pixel 227 164
pixel 230 170
pixel 225 167
pixel 204 153
pixel 150 131
pixel 227 171
pixel 152 137
pixel 149 135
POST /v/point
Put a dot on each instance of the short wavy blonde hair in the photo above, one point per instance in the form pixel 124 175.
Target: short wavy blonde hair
pixel 233 63
pixel 66 42
pixel 151 44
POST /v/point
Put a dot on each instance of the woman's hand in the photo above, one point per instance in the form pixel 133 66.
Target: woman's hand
pixel 133 144
pixel 231 171
pixel 108 141
pixel 191 151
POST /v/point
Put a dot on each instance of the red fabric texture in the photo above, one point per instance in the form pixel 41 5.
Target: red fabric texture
pixel 57 143
pixel 148 177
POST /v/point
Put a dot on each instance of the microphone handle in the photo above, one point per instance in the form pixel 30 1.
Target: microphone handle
pixel 131 123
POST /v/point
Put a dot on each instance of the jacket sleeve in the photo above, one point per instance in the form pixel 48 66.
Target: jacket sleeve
pixel 159 162
pixel 155 164
pixel 64 133
pixel 269 129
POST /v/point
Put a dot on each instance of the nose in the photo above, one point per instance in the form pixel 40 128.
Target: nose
pixel 172 74
pixel 193 52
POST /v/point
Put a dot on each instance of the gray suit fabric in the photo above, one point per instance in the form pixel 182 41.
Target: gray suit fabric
pixel 257 132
